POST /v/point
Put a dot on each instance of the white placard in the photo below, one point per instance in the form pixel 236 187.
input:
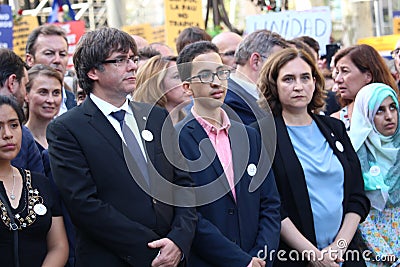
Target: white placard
pixel 315 23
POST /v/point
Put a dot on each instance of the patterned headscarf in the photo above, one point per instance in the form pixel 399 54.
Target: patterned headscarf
pixel 379 155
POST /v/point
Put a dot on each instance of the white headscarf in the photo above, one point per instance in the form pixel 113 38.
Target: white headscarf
pixel 379 155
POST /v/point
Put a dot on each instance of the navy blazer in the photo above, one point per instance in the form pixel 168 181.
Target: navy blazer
pixel 230 233
pixel 28 157
pixel 244 104
pixel 114 217
pixel 292 186
pixel 70 102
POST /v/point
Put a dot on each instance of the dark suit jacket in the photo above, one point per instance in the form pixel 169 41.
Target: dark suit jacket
pixel 29 155
pixel 292 186
pixel 70 102
pixel 244 104
pixel 114 217
pixel 229 233
pixel 332 104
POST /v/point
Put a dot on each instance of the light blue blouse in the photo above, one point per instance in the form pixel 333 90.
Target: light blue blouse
pixel 324 178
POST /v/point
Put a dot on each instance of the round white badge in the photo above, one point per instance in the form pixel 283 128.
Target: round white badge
pixel 374 170
pixel 147 135
pixel 252 169
pixel 339 146
pixel 40 209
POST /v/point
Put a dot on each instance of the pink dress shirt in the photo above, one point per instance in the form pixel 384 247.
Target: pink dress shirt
pixel 220 140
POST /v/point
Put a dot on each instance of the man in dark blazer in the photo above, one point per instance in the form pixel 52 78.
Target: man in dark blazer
pixel 237 219
pixel 13 80
pixel 121 217
pixel 250 56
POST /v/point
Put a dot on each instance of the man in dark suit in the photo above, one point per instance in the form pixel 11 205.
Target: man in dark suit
pixel 48 45
pixel 13 80
pixel 116 203
pixel 250 56
pixel 239 210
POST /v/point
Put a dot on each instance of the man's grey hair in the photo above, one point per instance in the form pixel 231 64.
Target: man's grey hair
pixel 261 41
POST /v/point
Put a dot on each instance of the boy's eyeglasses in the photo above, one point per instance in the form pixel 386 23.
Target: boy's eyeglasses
pixel 208 76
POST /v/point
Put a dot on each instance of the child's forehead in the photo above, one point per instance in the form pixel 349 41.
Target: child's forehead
pixel 207 61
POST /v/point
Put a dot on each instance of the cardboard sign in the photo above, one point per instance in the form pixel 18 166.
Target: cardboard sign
pixel 21 31
pixel 158 34
pixel 396 25
pixel 315 23
pixel 142 30
pixel 382 43
pixel 180 14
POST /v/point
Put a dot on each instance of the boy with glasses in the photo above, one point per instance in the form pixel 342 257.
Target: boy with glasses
pixel 238 203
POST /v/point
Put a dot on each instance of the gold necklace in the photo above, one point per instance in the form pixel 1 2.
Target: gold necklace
pixel 35 207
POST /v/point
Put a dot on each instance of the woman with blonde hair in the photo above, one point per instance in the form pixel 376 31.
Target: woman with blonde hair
pixel 158 83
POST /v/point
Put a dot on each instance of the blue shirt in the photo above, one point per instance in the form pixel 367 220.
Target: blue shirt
pixel 324 176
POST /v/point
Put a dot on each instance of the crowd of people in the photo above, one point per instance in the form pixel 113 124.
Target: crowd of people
pixel 245 151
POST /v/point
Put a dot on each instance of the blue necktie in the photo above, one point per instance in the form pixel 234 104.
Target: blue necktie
pixel 132 144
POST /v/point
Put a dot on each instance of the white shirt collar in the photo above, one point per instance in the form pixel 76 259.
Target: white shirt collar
pixel 106 108
pixel 249 87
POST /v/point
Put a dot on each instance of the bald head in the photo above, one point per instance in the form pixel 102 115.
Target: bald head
pixel 227 43
pixel 164 49
pixel 140 41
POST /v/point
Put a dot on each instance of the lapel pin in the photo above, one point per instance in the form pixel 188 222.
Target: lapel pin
pixel 147 135
pixel 145 118
pixel 374 170
pixel 339 146
pixel 251 169
pixel 40 209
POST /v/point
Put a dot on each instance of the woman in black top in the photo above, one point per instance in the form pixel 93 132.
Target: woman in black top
pixel 28 198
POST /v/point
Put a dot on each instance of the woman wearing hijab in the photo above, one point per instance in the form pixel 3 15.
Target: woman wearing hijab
pixel 376 138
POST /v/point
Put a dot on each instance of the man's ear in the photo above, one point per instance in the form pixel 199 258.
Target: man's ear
pixel 92 74
pixel 30 60
pixel 255 61
pixel 187 89
pixel 10 83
